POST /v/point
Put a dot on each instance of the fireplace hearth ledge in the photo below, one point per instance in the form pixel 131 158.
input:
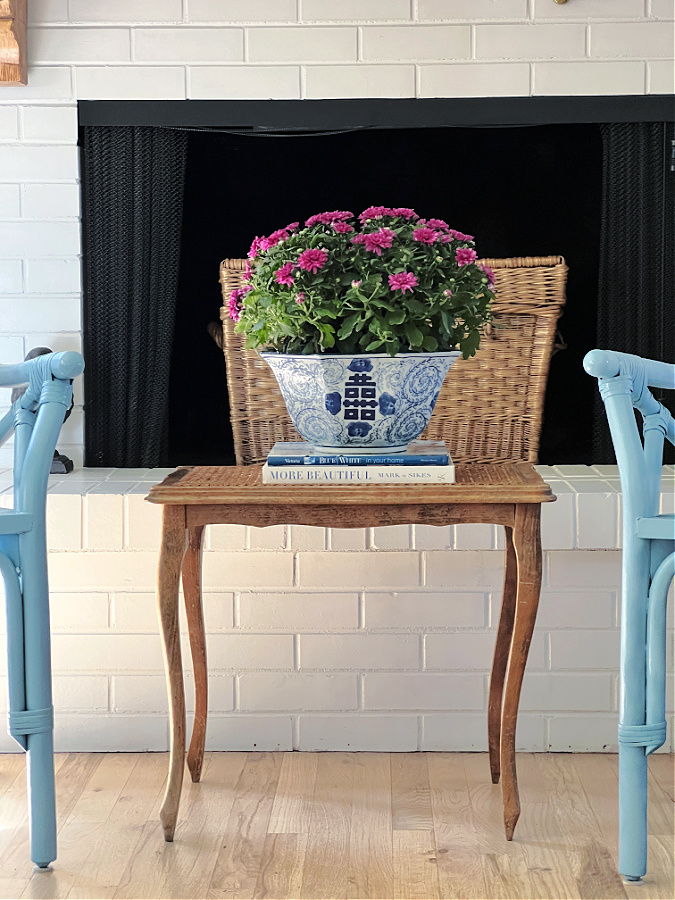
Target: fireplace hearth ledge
pixel 586 516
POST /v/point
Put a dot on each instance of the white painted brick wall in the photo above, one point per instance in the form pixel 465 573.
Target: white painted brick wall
pixel 286 49
pixel 318 637
pixel 357 648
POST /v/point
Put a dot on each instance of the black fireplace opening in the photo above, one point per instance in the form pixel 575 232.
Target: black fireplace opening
pixel 165 202
pixel 522 191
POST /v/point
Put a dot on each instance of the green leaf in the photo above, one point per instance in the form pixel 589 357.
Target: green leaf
pixel 327 335
pixel 469 344
pixel 348 325
pixel 374 345
pixel 413 334
pixel 430 343
pixel 396 318
pixel 415 307
pixel 448 320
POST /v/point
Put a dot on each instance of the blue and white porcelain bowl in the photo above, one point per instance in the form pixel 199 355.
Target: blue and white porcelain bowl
pixel 362 402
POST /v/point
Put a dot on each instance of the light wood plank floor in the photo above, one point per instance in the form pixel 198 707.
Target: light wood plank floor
pixel 338 825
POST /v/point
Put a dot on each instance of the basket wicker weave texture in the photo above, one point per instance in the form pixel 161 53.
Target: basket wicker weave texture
pixel 490 407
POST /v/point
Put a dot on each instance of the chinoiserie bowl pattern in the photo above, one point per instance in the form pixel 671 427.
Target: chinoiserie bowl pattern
pixel 361 402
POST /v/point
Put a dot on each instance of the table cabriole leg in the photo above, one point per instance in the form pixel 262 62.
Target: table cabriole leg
pixel 527 545
pixel 192 592
pixel 501 654
pixel 171 555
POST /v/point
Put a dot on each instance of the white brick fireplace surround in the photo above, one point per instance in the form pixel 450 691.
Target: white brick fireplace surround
pixel 362 639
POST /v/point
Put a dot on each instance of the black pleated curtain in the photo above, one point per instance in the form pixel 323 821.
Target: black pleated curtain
pixel 637 253
pixel 132 188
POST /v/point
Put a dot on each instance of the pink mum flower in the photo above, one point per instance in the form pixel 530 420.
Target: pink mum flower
pixel 292 226
pixel 273 239
pixel 283 275
pixel 359 239
pixel 255 248
pixel 342 227
pixel 375 212
pixel 437 223
pixel 327 218
pixel 404 281
pixel 446 238
pixel 300 297
pixel 248 271
pixel 312 259
pixel 490 275
pixel 404 212
pixel 465 256
pixel 356 284
pixel 378 240
pixel 318 219
pixel 458 236
pixel 425 235
pixel 236 302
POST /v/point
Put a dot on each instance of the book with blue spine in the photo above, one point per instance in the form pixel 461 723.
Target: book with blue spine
pixel 301 453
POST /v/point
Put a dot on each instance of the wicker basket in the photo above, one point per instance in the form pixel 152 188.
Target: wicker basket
pixel 490 407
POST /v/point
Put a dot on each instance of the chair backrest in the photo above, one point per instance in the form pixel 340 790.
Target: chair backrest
pixel 624 381
pixel 36 419
pixel 490 407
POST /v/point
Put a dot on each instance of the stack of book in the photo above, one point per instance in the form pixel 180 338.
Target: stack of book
pixel 424 462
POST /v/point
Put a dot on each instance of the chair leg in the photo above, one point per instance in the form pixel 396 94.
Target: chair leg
pixel 36 722
pixel 501 655
pixel 170 562
pixel 42 800
pixel 527 545
pixel 192 591
pixel 632 811
pixel 632 706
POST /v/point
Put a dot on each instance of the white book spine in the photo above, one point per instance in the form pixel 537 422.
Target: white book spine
pixel 358 474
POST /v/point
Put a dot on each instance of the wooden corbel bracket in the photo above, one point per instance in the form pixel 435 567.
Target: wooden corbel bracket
pixel 13 57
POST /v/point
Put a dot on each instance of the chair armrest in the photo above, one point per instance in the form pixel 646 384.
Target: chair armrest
pixel 65 366
pixel 609 363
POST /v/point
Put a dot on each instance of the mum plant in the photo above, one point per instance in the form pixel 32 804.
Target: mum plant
pixel 386 281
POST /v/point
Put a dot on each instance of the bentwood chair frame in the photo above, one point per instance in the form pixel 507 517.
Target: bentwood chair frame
pixel 648 568
pixel 36 419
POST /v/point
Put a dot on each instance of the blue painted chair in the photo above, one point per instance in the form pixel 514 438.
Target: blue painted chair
pixel 36 419
pixel 648 569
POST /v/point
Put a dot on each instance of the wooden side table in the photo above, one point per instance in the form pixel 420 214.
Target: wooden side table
pixel 509 494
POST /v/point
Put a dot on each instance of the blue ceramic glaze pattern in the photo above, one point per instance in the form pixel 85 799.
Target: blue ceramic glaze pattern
pixel 360 402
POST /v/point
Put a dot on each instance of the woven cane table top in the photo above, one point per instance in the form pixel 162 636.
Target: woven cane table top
pixel 503 483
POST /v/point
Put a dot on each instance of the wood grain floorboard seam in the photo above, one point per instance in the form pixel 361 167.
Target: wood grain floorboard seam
pixel 345 826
